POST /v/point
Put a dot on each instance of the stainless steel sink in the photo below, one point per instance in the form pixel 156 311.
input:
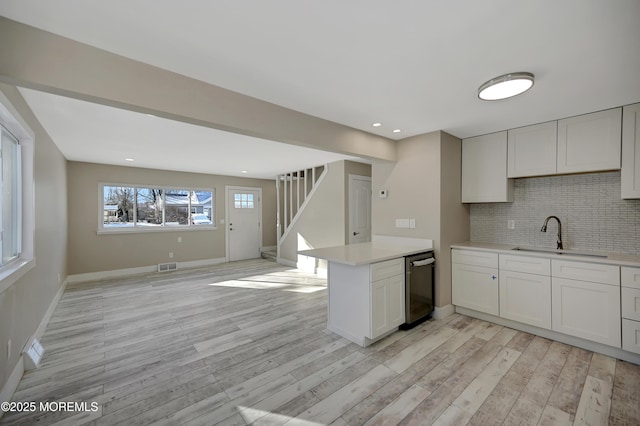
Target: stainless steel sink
pixel 559 252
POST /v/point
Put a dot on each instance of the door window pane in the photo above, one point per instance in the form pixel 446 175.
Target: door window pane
pixel 243 201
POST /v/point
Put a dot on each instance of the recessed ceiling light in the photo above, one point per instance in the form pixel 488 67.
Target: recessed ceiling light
pixel 397 131
pixel 506 86
pixel 129 159
pixel 377 124
pixel 244 171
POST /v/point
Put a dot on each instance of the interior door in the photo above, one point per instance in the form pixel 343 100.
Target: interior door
pixel 244 213
pixel 359 209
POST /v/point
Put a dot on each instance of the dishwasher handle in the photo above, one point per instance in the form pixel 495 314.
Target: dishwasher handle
pixel 424 262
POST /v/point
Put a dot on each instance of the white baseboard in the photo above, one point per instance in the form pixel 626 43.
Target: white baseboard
pixel 269 248
pixel 441 312
pixel 52 307
pixel 12 383
pixel 287 262
pixel 554 335
pixel 94 276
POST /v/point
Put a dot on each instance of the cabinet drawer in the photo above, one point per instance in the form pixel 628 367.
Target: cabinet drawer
pixel 592 272
pixel 475 258
pixel 631 336
pixel 630 277
pixel 530 265
pixel 387 269
pixel 631 303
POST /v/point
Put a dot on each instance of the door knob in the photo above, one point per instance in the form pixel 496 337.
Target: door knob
pixel 356 233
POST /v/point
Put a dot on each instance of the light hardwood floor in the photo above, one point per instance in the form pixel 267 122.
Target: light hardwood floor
pixel 246 343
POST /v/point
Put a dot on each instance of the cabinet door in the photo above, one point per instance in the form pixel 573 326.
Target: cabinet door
pixel 532 150
pixel 587 310
pixel 379 313
pixel 590 142
pixel 396 306
pixel 526 298
pixel 387 305
pixel 630 174
pixel 475 287
pixel 484 169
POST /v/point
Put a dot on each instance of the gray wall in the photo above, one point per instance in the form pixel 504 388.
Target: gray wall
pixel 593 215
pixel 424 184
pixel 25 303
pixel 90 252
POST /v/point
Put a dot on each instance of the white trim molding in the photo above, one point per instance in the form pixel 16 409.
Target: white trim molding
pixel 441 312
pixel 116 273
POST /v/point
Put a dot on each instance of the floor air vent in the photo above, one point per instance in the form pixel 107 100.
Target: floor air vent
pixel 164 267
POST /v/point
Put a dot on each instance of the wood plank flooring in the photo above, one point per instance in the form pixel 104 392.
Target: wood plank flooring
pixel 246 343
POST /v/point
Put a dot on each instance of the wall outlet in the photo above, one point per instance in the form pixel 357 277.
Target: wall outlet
pixel 511 224
pixel 412 223
pixel 179 239
pixel 402 223
pixel 170 255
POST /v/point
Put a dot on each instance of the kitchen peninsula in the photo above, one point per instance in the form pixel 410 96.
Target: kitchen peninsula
pixel 366 286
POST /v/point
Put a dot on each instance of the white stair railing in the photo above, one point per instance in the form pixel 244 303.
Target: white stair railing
pixel 293 191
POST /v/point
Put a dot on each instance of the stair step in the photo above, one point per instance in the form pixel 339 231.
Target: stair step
pixel 269 255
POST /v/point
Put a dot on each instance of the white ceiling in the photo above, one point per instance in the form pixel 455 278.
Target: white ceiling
pixel 414 65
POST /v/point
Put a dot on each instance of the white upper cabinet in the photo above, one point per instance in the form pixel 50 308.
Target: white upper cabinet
pixel 484 169
pixel 532 150
pixel 630 174
pixel 590 142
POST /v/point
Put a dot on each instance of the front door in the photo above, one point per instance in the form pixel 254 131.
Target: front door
pixel 359 209
pixel 244 231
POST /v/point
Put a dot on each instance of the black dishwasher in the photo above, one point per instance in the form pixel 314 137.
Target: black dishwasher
pixel 419 289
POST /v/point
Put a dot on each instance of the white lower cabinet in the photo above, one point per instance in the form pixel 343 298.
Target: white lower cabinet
pixel 366 301
pixel 526 298
pixel 630 281
pixel 587 310
pixel 387 305
pixel 525 290
pixel 631 335
pixel 475 287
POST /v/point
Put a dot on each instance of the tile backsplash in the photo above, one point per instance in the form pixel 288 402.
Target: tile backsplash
pixel 593 215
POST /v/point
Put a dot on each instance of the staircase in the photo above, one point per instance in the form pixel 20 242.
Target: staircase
pixel 293 190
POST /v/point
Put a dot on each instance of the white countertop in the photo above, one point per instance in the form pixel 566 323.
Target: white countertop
pixel 364 253
pixel 621 259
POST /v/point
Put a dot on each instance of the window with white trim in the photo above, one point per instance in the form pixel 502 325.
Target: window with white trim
pixel 11 195
pixel 17 211
pixel 144 208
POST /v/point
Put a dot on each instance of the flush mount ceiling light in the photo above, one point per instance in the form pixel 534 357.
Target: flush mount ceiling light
pixel 506 86
pixel 377 124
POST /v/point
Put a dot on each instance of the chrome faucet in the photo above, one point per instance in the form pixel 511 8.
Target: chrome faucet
pixel 544 229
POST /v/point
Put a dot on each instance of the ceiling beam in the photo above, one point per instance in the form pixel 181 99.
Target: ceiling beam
pixel 36 59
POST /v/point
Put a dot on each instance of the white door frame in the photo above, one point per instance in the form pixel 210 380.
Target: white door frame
pixel 228 188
